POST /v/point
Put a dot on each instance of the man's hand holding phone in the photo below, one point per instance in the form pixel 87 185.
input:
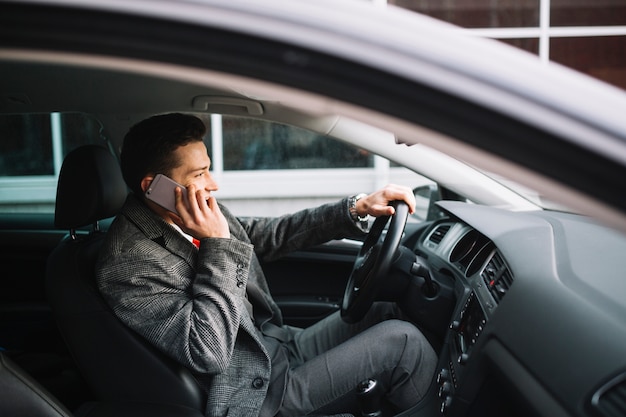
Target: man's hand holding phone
pixel 194 210
pixel 200 215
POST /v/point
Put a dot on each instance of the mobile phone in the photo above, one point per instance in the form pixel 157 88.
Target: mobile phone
pixel 161 191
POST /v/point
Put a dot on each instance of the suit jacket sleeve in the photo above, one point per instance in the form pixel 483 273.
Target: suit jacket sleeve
pixel 191 310
pixel 275 237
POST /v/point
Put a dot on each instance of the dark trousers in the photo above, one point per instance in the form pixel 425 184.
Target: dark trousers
pixel 329 359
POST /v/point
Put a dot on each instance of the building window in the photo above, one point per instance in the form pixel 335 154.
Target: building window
pixel 587 12
pixel 528 44
pixel 586 35
pixel 600 57
pixel 477 13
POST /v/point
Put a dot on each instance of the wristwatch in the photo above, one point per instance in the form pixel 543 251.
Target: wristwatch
pixel 362 222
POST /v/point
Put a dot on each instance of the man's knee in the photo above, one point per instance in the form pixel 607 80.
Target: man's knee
pixel 405 341
pixel 403 329
pixel 409 362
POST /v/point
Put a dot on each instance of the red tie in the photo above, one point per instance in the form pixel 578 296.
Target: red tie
pixel 196 242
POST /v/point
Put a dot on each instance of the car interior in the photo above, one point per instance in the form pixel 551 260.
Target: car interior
pixel 523 305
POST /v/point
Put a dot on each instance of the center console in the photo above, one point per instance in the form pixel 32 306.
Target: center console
pixel 466 328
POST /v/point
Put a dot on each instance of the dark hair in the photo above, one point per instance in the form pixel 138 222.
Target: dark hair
pixel 150 144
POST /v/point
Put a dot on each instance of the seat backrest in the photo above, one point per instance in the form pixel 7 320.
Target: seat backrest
pixel 21 395
pixel 117 363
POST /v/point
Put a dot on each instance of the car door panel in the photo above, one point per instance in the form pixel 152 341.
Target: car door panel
pixel 309 284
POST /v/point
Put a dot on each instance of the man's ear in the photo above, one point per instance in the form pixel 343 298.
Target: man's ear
pixel 146 181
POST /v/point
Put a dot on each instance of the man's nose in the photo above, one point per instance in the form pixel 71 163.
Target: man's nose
pixel 211 184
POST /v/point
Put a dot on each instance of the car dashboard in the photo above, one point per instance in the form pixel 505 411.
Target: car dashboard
pixel 538 328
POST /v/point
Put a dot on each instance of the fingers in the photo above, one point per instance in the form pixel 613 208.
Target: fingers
pixel 212 205
pixel 377 203
pixel 201 216
pixel 398 192
pixel 179 202
pixel 377 210
pixel 194 205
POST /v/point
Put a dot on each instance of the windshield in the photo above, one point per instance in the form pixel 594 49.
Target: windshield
pixel 530 194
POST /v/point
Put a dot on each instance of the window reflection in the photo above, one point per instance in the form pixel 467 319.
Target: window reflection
pixel 26 146
pixel 28 140
pixel 251 144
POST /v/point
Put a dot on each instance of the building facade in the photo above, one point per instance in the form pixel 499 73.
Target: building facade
pixel 586 35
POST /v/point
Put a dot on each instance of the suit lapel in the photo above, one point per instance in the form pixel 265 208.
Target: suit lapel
pixel 159 231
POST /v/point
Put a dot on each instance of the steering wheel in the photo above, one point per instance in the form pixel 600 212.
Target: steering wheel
pixel 372 264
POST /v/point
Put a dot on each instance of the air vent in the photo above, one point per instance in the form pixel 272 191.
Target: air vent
pixel 497 277
pixel 437 235
pixel 610 400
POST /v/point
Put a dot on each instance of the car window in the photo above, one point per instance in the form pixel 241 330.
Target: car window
pixel 268 169
pixel 31 152
pixel 263 168
pixel 254 144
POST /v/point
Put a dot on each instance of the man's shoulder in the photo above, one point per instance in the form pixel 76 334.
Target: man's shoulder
pixel 128 230
pixel 136 218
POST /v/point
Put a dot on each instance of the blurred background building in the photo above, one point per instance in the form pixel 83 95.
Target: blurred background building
pixel 586 35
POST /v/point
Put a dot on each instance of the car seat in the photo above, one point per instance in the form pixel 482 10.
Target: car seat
pixel 118 364
pixel 21 395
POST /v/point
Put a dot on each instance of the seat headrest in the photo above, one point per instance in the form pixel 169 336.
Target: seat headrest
pixel 90 188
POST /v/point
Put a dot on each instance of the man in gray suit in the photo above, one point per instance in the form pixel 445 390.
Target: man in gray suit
pixel 209 307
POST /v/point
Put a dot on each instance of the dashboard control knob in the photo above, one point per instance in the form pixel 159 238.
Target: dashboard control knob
pixel 444 390
pixel 455 325
pixel 445 405
pixel 444 375
pixel 463 358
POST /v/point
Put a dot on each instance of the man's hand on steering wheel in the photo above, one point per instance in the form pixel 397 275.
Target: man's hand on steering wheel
pixel 377 203
pixel 375 257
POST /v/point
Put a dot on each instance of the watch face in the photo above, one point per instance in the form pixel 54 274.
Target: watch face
pixel 352 208
pixel 363 225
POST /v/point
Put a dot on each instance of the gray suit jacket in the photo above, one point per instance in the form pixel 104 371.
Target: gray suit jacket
pixel 195 304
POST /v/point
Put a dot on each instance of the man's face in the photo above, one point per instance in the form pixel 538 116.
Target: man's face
pixel 194 168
